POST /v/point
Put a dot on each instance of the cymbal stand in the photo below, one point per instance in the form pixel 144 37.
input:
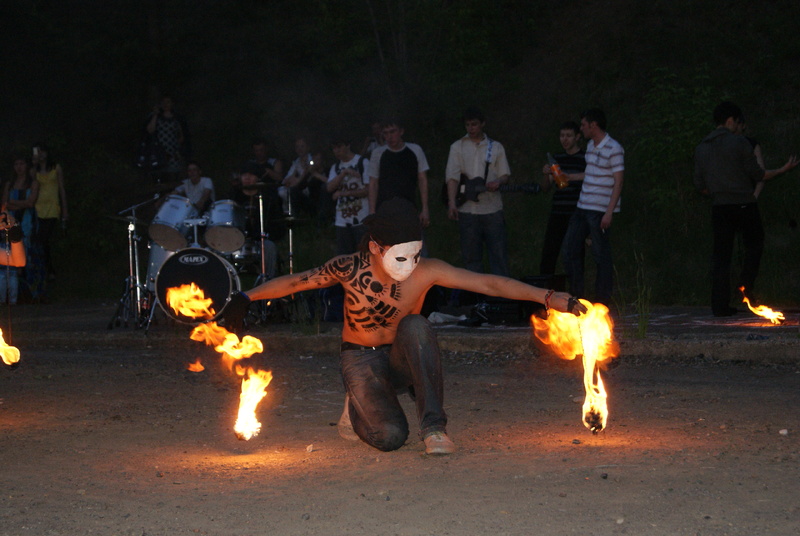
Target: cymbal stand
pixel 130 304
pixel 290 219
pixel 262 307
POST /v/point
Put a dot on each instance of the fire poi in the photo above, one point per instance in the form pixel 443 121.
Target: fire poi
pixel 189 300
pixel 10 354
pixel 590 336
pixel 776 317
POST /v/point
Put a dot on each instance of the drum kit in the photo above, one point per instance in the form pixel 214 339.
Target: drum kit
pixel 210 250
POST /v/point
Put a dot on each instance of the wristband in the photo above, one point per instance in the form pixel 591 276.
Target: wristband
pixel 14 233
pixel 547 299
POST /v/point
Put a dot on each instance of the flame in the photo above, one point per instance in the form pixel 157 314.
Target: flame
pixel 590 336
pixel 254 388
pixel 10 354
pixel 776 317
pixel 189 300
pixel 197 366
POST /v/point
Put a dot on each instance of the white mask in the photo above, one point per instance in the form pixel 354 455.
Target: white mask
pixel 400 260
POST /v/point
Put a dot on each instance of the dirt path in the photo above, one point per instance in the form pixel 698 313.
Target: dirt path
pixel 128 442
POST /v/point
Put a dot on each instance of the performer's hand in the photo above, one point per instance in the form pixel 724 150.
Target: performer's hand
pixel 233 315
pixel 567 303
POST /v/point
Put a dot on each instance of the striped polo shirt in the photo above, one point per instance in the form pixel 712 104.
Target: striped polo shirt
pixel 598 182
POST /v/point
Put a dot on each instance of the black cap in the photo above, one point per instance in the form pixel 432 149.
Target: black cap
pixel 395 222
pixel 251 167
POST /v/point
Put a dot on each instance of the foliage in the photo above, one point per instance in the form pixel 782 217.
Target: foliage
pixel 87 74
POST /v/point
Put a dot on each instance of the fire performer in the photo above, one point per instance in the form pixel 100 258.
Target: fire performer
pixel 387 346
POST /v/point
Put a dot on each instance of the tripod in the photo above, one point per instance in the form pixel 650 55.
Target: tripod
pixel 133 303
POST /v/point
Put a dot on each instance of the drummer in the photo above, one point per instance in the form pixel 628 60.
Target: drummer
pixel 198 189
pixel 247 196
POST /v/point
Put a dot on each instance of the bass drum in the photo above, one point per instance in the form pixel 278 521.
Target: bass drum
pixel 210 272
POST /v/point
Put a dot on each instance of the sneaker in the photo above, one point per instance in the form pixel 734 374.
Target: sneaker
pixel 439 443
pixel 344 425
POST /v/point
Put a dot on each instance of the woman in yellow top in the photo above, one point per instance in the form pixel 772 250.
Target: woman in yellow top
pixel 51 206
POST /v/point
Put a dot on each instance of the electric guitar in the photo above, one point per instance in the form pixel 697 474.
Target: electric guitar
pixel 468 189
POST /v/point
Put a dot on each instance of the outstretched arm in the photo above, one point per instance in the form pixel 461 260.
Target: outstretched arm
pixel 503 287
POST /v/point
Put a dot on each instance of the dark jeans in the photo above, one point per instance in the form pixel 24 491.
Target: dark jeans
pixel 727 221
pixel 477 230
pixel 374 378
pixel 582 224
pixel 557 225
pixel 348 238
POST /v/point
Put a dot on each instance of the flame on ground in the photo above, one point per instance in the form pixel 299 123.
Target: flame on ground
pixel 776 317
pixel 197 366
pixel 254 388
pixel 189 300
pixel 590 336
pixel 10 354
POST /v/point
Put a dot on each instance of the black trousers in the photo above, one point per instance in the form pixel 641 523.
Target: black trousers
pixel 728 221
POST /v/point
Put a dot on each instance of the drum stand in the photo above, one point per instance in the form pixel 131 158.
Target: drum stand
pixel 132 304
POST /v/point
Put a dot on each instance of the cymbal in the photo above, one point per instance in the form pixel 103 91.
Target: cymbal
pixel 292 219
pixel 257 186
pixel 163 187
pixel 127 219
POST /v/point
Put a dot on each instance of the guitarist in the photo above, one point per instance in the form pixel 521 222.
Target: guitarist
pixel 481 222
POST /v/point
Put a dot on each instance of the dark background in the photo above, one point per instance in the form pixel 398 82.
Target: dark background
pixel 83 75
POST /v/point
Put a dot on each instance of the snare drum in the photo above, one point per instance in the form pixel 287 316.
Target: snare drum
pixel 168 228
pixel 225 230
pixel 210 272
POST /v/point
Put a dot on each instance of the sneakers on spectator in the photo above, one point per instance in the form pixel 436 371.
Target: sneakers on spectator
pixel 345 426
pixel 439 443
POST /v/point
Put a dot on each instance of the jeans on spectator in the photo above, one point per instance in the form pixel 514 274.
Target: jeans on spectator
pixel 374 377
pixel 727 221
pixel 348 238
pixel 557 225
pixel 582 224
pixel 9 284
pixel 477 229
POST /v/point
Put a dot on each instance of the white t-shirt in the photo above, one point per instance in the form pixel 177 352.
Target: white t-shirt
pixel 195 191
pixel 351 210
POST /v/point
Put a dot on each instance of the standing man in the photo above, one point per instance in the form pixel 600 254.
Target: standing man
pixel 476 156
pixel 565 200
pixel 598 202
pixel 349 187
pixel 726 168
pixel 396 170
pixel 303 180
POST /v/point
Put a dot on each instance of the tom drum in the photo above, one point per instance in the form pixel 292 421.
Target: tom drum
pixel 168 228
pixel 225 230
